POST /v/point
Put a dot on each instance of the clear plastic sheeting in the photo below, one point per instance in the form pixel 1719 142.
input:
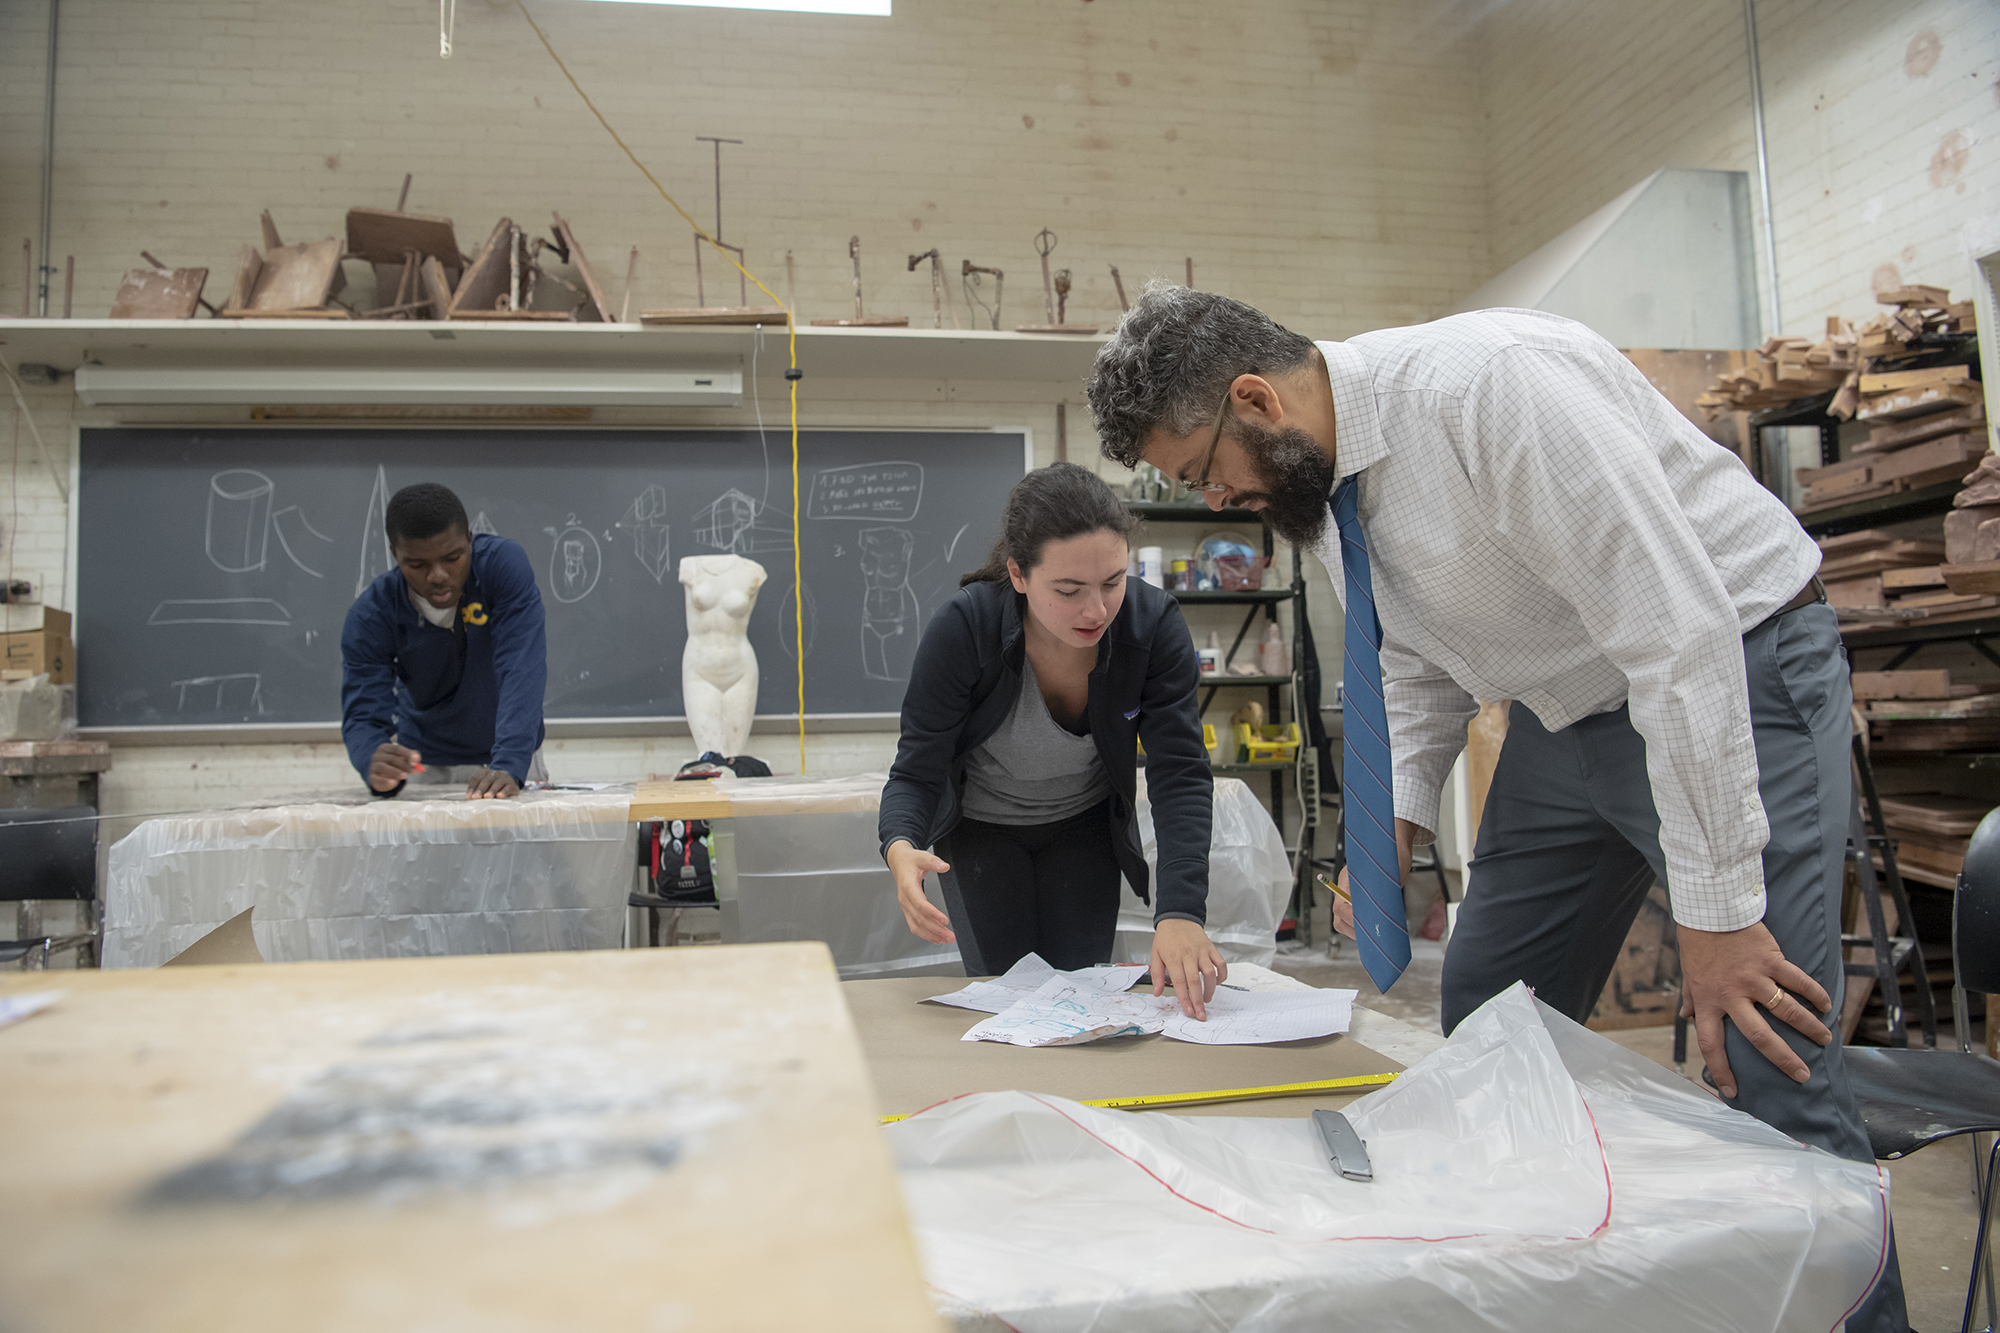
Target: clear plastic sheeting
pixel 808 866
pixel 1529 1175
pixel 1249 880
pixel 821 877
pixel 386 879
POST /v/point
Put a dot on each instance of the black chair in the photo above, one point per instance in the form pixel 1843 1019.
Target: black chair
pixel 1911 1098
pixel 45 855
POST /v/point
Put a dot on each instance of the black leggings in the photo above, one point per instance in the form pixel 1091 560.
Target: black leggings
pixel 1015 889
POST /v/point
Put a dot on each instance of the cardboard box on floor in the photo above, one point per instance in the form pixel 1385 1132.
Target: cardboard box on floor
pixel 31 652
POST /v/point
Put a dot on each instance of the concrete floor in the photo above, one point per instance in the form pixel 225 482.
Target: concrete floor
pixel 1931 1194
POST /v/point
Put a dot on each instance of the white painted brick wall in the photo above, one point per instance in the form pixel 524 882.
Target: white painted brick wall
pixel 1877 160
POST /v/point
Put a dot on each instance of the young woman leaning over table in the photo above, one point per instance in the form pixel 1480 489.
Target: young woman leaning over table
pixel 1032 690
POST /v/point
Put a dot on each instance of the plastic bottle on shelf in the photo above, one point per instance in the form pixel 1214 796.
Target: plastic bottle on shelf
pixel 1273 657
pixel 1210 656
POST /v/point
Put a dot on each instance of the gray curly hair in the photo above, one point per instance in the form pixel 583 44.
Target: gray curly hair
pixel 1172 357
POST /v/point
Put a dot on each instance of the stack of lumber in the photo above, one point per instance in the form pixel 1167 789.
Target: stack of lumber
pixel 1785 370
pixel 1920 312
pixel 1878 575
pixel 1860 367
pixel 1922 315
pixel 1901 456
pixel 1926 710
pixel 1930 832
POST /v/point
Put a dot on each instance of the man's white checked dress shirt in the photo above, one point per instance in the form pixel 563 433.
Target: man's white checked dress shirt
pixel 1543 526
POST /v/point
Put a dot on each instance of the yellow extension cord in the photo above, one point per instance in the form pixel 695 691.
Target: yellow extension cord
pixel 791 376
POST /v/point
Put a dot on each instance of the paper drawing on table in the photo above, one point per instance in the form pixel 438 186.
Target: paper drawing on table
pixel 1028 975
pixel 1252 1018
pixel 735 523
pixel 220 611
pixel 376 558
pixel 882 492
pixel 239 692
pixel 1061 1012
pixel 891 617
pixel 647 521
pixel 575 562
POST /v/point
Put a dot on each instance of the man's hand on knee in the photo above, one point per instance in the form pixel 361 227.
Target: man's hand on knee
pixel 1732 974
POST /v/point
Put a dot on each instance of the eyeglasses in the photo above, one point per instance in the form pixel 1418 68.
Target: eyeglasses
pixel 1202 482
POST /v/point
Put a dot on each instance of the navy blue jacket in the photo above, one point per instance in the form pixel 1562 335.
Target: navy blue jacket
pixel 471 694
pixel 965 681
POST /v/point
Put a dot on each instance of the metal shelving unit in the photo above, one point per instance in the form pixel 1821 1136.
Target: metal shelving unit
pixel 1262 602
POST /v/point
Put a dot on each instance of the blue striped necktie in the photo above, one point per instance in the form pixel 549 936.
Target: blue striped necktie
pixel 1368 810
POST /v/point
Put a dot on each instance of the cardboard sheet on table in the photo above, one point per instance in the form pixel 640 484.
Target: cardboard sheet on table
pixel 916 1058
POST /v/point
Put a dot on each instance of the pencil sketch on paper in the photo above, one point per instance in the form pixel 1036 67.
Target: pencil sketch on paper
pixel 878 492
pixel 375 557
pixel 890 615
pixel 737 524
pixel 647 521
pixel 1252 1018
pixel 219 611
pixel 575 562
pixel 241 521
pixel 239 692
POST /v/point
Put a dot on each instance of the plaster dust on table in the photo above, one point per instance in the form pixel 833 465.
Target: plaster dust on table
pixel 458 1100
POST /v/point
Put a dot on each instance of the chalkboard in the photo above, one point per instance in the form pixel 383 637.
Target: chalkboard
pixel 215 567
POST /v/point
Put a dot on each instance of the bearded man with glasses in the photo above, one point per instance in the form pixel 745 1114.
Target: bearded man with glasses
pixel 1513 512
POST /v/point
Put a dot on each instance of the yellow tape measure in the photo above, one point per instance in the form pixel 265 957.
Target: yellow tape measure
pixel 1227 1094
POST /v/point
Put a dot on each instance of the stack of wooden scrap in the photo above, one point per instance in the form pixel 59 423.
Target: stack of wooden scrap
pixel 1920 312
pixel 1928 711
pixel 1787 369
pixel 1860 367
pixel 1877 575
pixel 1931 831
pixel 1900 456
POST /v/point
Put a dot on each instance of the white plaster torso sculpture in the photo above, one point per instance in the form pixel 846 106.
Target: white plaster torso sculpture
pixel 719 668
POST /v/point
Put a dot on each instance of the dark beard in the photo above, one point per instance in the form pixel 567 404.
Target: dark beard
pixel 1294 479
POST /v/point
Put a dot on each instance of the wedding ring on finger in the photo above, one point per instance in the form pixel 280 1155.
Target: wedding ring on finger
pixel 1777 996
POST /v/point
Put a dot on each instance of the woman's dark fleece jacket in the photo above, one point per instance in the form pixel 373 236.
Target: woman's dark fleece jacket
pixel 965 682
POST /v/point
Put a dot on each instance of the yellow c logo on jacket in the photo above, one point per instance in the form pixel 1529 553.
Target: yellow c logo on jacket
pixel 475 613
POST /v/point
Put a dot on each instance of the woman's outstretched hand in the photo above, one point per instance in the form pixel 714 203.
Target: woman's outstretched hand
pixel 1184 955
pixel 909 866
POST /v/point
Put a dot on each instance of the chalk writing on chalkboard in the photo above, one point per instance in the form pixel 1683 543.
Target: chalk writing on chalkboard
pixel 878 491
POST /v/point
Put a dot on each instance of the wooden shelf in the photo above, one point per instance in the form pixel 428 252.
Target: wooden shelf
pixel 1243 598
pixel 1882 509
pixel 1190 513
pixel 1920 631
pixel 904 354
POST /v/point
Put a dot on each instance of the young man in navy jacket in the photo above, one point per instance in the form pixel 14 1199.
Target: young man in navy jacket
pixel 445 660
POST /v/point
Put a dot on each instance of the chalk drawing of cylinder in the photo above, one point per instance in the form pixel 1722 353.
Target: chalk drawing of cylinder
pixel 239 520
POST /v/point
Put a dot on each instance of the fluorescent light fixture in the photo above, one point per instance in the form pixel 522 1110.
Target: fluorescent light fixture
pixel 871 8
pixel 97 386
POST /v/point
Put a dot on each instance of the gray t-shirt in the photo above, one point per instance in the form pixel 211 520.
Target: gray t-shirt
pixel 1033 770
